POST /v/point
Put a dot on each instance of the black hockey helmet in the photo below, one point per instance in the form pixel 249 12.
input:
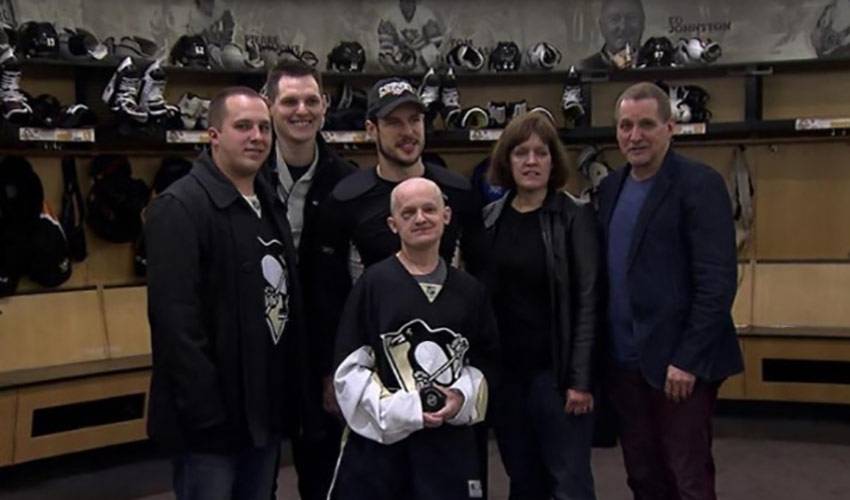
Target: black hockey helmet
pixel 46 110
pixel 190 51
pixel 76 116
pixel 505 57
pixel 115 201
pixel 21 192
pixel 81 44
pixel 656 52
pixel 347 57
pixel 37 39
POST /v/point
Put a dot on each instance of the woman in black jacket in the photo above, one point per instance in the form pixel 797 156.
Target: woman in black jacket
pixel 544 275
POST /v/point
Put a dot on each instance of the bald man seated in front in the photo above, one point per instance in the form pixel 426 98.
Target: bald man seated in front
pixel 416 350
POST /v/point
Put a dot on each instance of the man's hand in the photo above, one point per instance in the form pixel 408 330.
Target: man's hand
pixel 679 384
pixel 329 397
pixel 454 402
pixel 578 402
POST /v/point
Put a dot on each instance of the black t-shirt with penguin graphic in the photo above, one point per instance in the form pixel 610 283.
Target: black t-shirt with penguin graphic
pixel 268 254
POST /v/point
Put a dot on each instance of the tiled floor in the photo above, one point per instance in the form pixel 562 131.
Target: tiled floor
pixel 776 459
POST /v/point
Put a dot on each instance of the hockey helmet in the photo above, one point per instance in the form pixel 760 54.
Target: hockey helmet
pixel 475 117
pixel 136 47
pixel 656 52
pixel 37 39
pixel 544 55
pixel 505 57
pixel 75 116
pixel 696 50
pixel 232 56
pixel 81 44
pixel 46 110
pixel 465 56
pixel 347 57
pixel 190 51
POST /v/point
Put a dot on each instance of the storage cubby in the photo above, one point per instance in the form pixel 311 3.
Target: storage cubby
pixel 85 346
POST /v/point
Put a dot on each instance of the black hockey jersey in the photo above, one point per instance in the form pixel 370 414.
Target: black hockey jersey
pixel 392 341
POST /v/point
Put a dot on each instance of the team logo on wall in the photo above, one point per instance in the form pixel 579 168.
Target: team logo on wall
pixel 276 290
pixel 421 357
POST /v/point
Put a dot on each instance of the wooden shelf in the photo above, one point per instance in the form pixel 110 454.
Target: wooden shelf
pixel 795 332
pixel 634 74
pixel 160 142
pixel 31 376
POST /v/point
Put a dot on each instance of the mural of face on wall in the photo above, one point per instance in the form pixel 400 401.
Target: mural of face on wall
pixel 621 22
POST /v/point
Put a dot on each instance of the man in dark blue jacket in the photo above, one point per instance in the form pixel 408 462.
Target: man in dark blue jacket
pixel 672 280
pixel 224 309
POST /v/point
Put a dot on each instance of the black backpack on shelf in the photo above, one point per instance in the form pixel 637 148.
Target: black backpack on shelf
pixel 116 200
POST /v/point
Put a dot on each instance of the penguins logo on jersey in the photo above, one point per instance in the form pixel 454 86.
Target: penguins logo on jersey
pixel 420 356
pixel 276 290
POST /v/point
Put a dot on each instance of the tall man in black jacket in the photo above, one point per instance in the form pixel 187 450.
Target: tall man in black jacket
pixel 224 309
pixel 672 279
pixel 304 170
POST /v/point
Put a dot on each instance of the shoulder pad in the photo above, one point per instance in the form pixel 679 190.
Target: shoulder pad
pixel 445 178
pixel 355 185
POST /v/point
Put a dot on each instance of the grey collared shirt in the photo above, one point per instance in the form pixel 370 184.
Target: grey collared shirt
pixel 294 193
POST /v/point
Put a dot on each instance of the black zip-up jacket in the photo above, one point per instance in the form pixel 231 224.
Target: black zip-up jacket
pixel 330 169
pixel 211 387
pixel 573 262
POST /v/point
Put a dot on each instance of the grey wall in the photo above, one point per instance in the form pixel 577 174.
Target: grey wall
pixel 748 30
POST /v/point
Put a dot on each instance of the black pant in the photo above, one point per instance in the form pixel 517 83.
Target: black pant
pixel 315 459
pixel 546 452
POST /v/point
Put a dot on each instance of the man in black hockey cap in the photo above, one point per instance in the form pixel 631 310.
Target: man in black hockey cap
pixel 353 221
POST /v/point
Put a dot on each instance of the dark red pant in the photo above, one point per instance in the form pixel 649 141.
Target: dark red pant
pixel 666 445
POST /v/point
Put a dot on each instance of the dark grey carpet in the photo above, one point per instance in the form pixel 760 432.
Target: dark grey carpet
pixel 768 453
